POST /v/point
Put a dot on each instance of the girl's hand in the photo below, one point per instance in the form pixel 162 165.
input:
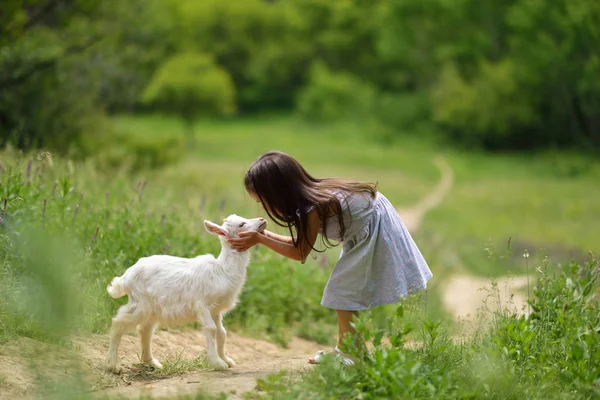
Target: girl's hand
pixel 245 241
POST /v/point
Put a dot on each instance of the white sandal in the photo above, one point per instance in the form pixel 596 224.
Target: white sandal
pixel 317 358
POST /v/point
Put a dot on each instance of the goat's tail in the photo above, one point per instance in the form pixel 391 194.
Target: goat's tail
pixel 116 289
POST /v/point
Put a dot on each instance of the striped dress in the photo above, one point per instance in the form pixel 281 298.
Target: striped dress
pixel 379 263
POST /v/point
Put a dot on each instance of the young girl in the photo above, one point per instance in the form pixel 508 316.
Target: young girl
pixel 379 263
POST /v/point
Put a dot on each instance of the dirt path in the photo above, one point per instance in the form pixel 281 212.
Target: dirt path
pixel 412 216
pixel 255 358
pixel 464 295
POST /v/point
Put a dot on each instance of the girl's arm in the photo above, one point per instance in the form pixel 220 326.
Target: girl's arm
pixel 279 238
pixel 285 247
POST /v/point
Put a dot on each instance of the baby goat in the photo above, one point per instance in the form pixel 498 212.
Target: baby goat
pixel 173 290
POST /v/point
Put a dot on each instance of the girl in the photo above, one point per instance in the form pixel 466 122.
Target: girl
pixel 379 263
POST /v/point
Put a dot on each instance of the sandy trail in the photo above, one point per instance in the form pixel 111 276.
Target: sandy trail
pixel 412 216
pixel 255 358
pixel 464 295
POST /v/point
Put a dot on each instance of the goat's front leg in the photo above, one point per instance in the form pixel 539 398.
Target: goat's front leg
pixel 210 330
pixel 221 337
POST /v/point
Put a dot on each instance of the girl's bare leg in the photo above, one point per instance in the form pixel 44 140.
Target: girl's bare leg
pixel 344 327
pixel 344 320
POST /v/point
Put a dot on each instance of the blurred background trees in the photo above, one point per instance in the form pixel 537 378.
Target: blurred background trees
pixel 191 86
pixel 491 74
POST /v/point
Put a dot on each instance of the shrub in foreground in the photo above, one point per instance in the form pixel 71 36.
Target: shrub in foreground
pixel 553 353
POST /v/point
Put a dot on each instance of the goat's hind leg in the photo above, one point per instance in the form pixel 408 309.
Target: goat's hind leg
pixel 146 330
pixel 210 330
pixel 124 321
pixel 221 337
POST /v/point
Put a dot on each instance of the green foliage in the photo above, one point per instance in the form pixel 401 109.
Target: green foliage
pixel 267 47
pixel 62 61
pixel 133 153
pixel 490 85
pixel 275 280
pixel 552 354
pixel 19 16
pixel 332 96
pixel 563 330
pixel 515 74
pixel 233 31
pixel 501 74
pixel 191 85
pixel 67 229
pixel 39 105
pixel 555 46
pixel 402 115
pixel 136 37
pixel 485 111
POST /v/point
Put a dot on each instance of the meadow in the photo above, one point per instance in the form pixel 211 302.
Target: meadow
pixel 69 225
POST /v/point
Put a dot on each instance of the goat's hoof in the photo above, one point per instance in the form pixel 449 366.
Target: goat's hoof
pixel 230 361
pixel 154 363
pixel 115 369
pixel 219 365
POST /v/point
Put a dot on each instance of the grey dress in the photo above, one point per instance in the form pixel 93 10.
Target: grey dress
pixel 379 263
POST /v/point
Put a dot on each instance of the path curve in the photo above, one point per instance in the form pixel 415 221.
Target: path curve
pixel 413 216
pixel 465 295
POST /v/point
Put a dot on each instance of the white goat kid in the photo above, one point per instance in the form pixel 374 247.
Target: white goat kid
pixel 173 290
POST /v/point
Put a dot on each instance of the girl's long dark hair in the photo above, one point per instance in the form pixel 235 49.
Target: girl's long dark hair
pixel 287 192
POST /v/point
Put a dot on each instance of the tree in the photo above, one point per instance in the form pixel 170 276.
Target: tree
pixel 45 96
pixel 332 96
pixel 191 85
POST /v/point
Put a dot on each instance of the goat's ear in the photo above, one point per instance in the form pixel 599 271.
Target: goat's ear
pixel 214 228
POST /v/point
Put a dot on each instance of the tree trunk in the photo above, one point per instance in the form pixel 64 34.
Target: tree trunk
pixel 189 132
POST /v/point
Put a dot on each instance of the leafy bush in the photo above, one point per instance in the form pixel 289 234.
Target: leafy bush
pixel 275 280
pixel 190 86
pixel 332 96
pixel 66 229
pixel 560 341
pixel 118 150
pixel 502 75
pixel 39 106
pixel 233 31
pixel 554 353
pixel 487 111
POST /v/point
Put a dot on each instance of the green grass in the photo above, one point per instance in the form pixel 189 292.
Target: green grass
pixel 524 200
pixel 552 354
pixel 177 366
pixel 545 201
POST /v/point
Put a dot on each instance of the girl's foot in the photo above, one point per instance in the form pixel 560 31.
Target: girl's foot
pixel 317 359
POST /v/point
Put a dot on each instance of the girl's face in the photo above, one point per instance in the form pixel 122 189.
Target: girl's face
pixel 254 196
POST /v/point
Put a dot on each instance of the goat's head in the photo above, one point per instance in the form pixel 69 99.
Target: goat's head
pixel 235 224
